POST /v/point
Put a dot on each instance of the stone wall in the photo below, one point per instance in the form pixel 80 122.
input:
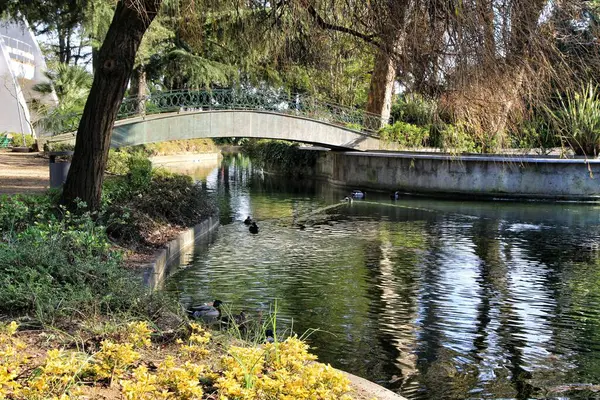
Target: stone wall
pixel 466 176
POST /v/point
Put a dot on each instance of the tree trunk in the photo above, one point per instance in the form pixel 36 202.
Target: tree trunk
pixel 94 60
pixel 381 90
pixel 115 63
pixel 138 89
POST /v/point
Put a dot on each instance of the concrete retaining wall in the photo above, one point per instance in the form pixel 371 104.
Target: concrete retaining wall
pixel 466 176
pixel 175 252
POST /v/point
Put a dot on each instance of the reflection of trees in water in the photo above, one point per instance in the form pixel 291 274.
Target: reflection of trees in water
pixel 495 293
pixel 569 262
pixel 394 292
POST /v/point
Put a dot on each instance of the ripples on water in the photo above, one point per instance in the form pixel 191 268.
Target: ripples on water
pixel 434 299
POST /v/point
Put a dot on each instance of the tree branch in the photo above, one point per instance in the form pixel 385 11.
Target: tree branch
pixel 326 25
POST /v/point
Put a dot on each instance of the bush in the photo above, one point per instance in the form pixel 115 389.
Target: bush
pixel 142 198
pixel 414 109
pixel 118 162
pixel 577 119
pixel 59 147
pixel 197 366
pixel 57 262
pixel 535 133
pixel 405 134
pixel 17 140
pixel 456 139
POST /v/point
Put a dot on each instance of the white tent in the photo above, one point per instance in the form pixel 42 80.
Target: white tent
pixel 22 66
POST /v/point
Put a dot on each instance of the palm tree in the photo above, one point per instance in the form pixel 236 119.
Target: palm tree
pixel 71 84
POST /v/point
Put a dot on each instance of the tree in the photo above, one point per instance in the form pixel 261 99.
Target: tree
pixel 116 60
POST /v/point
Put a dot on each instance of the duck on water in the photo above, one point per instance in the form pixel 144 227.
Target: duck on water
pixel 358 194
pixel 253 228
pixel 207 312
pixel 211 313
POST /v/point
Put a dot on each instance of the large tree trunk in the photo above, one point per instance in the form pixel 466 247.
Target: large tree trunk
pixel 381 90
pixel 115 63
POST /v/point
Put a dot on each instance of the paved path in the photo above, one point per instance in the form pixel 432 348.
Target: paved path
pixel 23 173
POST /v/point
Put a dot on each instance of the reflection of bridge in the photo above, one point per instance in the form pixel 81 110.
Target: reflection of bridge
pixel 222 113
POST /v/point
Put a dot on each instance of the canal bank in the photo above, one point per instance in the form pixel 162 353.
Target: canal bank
pixel 464 176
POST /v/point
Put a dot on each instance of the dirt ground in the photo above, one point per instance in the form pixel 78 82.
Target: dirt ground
pixel 23 173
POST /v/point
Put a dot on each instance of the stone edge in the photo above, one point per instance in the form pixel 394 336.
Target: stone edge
pixel 156 271
pixel 372 388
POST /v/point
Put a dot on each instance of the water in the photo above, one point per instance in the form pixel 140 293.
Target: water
pixel 433 299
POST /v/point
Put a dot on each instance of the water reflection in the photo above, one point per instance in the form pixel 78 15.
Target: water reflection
pixel 433 299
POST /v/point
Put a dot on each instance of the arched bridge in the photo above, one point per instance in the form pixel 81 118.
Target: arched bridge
pixel 222 113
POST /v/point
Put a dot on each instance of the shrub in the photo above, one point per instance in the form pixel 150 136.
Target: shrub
pixel 535 133
pixel 60 262
pixel 456 139
pixel 272 371
pixel 405 134
pixel 577 119
pixel 135 203
pixel 118 162
pixel 414 109
pixel 59 147
pixel 354 126
pixel 20 140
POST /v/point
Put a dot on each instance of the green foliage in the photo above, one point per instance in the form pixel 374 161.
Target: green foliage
pixel 182 69
pixel 354 126
pixel 456 139
pixel 57 146
pixel 142 198
pixel 54 262
pixel 71 85
pixel 405 134
pixel 577 119
pixel 118 162
pixel 20 140
pixel 535 133
pixel 414 109
pixel 178 147
pixel 281 156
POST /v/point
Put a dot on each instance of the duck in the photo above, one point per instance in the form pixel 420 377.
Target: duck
pixel 253 228
pixel 269 336
pixel 206 312
pixel 395 195
pixel 358 194
pixel 248 220
pixel 240 321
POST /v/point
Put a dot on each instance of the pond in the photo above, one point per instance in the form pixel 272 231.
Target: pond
pixel 430 298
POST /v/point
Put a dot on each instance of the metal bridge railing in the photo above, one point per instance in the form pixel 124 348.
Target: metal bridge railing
pixel 231 99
